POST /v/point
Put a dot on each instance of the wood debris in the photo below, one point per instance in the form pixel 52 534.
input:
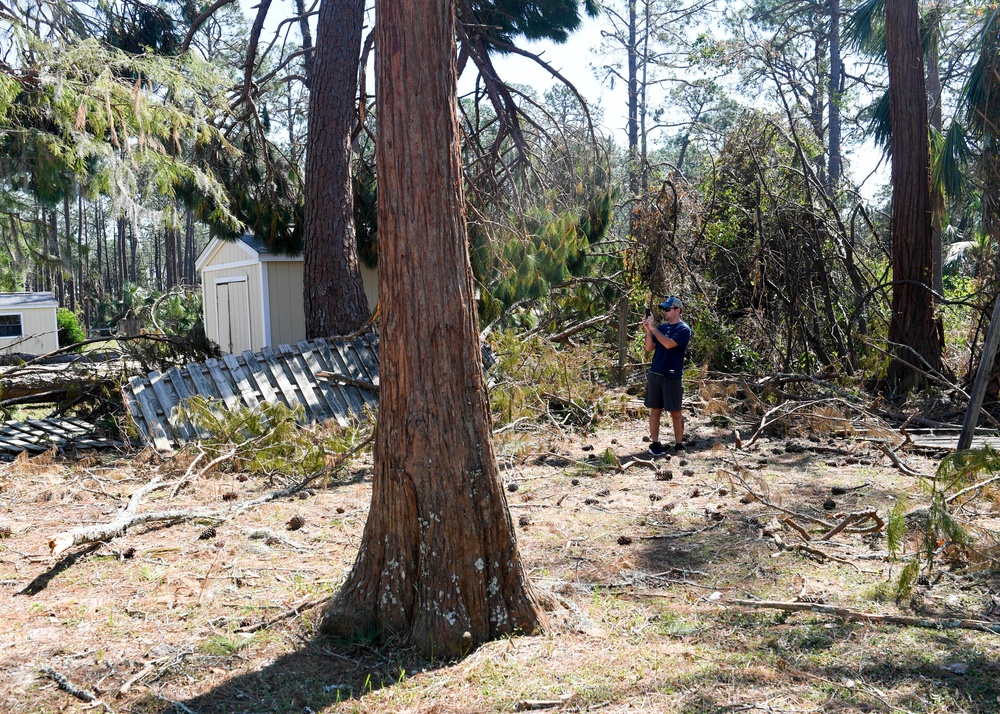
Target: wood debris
pixel 933 623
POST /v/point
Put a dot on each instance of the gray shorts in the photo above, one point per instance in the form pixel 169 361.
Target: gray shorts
pixel 664 393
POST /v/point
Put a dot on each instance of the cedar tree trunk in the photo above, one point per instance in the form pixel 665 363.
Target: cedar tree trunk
pixel 334 292
pixel 912 329
pixel 438 564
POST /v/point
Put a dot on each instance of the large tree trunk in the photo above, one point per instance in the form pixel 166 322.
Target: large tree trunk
pixel 334 292
pixel 68 258
pixel 438 563
pixel 912 329
pixel 56 253
pixel 936 120
pixel 834 98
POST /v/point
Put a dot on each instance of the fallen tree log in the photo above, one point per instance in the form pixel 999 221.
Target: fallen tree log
pixel 62 542
pixel 933 623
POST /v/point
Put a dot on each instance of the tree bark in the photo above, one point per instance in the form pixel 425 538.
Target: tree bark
pixel 936 120
pixel 834 95
pixel 307 42
pixel 438 564
pixel 912 329
pixel 67 266
pixel 56 254
pixel 633 100
pixel 334 292
pixel 189 252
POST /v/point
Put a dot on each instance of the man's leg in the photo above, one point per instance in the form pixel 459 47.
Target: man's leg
pixel 673 401
pixel 654 424
pixel 678 420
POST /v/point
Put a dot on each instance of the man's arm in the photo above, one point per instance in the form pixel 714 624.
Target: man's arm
pixel 654 334
pixel 648 325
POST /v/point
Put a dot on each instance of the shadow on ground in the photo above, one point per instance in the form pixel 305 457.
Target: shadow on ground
pixel 826 668
pixel 712 529
pixel 316 676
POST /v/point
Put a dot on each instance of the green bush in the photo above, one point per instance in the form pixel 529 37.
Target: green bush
pixel 70 332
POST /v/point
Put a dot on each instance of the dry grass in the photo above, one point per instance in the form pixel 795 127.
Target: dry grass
pixel 641 622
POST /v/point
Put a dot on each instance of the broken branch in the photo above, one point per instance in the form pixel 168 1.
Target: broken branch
pixel 297 610
pixel 128 517
pixel 899 464
pixel 67 686
pixel 797 528
pixel 854 616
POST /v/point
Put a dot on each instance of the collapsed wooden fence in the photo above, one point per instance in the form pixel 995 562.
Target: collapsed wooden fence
pixel 330 379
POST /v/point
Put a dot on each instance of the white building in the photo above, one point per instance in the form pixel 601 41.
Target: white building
pixel 253 298
pixel 28 323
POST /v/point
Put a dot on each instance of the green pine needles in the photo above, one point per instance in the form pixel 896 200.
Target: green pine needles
pixel 125 126
pixel 265 441
pixel 959 479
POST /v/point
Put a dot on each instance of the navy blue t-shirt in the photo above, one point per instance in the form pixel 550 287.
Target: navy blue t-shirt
pixel 670 362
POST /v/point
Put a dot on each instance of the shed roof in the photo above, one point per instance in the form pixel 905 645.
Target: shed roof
pixel 254 242
pixel 260 247
pixel 12 300
pixel 254 248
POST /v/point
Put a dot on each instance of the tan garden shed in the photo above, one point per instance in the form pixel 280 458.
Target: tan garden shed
pixel 253 298
pixel 28 323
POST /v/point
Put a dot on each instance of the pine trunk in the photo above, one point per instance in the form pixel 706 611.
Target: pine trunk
pixel 438 563
pixel 833 93
pixel 56 254
pixel 189 253
pixel 912 330
pixel 67 267
pixel 334 292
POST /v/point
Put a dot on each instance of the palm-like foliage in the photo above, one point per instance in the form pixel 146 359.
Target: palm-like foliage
pixel 980 100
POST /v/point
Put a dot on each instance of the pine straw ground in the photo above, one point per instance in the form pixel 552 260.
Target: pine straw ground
pixel 643 571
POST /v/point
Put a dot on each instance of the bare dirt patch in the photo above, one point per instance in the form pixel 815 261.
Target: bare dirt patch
pixel 643 558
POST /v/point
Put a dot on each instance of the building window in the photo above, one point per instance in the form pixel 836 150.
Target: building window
pixel 10 325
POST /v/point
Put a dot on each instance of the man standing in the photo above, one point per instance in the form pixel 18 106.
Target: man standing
pixel 664 390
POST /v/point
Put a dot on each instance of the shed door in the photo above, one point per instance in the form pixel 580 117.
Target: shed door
pixel 234 315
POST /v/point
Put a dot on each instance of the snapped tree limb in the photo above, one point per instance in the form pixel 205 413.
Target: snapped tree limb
pixel 933 623
pixel 129 517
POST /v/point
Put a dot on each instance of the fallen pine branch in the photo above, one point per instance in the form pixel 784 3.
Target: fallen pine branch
pixel 270 537
pixel 297 610
pixel 855 616
pixel 148 669
pixel 797 528
pixel 526 705
pixel 772 532
pixel 190 469
pixel 855 519
pixel 682 534
pixel 580 327
pixel 766 421
pixel 176 705
pixel 67 686
pixel 129 518
pixel 103 532
pixel 803 548
pixel 898 463
pixel 62 542
pixel 973 487
pixel 637 461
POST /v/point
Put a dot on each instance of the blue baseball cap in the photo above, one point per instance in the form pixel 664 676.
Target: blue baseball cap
pixel 671 302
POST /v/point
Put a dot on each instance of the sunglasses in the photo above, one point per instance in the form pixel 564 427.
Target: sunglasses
pixel 668 309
